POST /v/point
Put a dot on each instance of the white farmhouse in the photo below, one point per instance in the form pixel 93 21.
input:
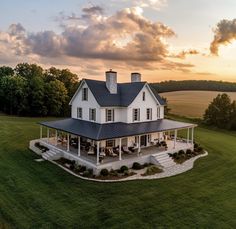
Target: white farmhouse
pixel 114 124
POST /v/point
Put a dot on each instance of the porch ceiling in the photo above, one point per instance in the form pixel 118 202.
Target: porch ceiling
pixel 99 132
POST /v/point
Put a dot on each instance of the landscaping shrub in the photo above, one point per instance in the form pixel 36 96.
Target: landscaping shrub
pixel 137 166
pixel 80 168
pixel 123 168
pixel 181 152
pixel 199 149
pixel 174 155
pixel 90 172
pixel 195 145
pixel 189 151
pixel 126 172
pixel 113 173
pixel 86 173
pixel 152 170
pixel 104 172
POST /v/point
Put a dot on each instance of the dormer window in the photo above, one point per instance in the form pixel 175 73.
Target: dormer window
pixel 149 113
pixel 110 115
pixel 85 94
pixel 144 96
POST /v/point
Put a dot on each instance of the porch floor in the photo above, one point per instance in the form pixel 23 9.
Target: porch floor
pixel 150 150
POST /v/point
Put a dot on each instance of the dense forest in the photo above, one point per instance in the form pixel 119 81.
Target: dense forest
pixel 30 90
pixel 201 85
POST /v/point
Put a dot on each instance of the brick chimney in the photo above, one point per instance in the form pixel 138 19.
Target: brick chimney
pixel 135 77
pixel 111 81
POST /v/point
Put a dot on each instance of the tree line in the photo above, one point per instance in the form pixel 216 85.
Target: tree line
pixel 30 90
pixel 221 112
pixel 200 85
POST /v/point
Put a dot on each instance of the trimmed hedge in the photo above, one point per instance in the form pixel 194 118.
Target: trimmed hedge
pixel 104 172
pixel 137 166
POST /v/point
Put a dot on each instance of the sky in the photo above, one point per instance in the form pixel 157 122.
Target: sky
pixel 161 39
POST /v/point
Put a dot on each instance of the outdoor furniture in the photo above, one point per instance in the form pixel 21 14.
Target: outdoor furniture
pixel 124 149
pixel 110 152
pixel 131 148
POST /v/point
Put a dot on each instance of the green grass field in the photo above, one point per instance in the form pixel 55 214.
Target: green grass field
pixel 41 195
pixel 192 103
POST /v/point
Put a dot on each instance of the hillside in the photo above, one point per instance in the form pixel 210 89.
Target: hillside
pixel 200 85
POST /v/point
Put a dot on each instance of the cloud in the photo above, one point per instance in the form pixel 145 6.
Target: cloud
pixel 184 53
pixel 154 4
pixel 224 34
pixel 123 39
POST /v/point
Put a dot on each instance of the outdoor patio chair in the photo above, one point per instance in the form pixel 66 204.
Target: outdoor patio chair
pixel 111 153
pixel 125 149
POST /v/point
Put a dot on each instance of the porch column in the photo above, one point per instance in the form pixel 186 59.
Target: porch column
pixel 47 134
pixel 120 149
pixel 56 138
pixel 175 138
pixel 139 144
pixel 192 134
pixel 78 146
pixel 188 136
pixel 98 143
pixel 41 132
pixel 68 142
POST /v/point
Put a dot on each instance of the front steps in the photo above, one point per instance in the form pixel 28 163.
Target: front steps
pixel 51 155
pixel 163 159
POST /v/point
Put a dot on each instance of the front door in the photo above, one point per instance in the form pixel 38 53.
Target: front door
pixel 144 140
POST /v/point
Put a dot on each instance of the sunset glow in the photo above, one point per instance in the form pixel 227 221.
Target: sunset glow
pixel 162 39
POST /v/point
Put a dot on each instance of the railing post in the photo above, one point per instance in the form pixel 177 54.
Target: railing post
pixel 41 131
pixel 120 149
pixel 68 142
pixel 78 146
pixel 98 152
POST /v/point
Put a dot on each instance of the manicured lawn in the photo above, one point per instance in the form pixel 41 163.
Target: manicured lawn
pixel 192 103
pixel 41 195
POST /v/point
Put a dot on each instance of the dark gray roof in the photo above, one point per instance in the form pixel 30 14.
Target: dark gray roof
pixel 97 131
pixel 126 93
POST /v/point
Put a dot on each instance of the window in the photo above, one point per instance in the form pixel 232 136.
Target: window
pixel 79 112
pixel 136 114
pixel 92 114
pixel 144 96
pixel 110 143
pixel 158 112
pixel 149 113
pixel 110 113
pixel 85 94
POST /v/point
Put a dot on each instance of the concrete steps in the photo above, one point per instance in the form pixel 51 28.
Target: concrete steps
pixel 51 155
pixel 164 160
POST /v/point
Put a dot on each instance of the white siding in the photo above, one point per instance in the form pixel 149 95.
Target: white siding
pixel 121 114
pixel 149 102
pixel 85 105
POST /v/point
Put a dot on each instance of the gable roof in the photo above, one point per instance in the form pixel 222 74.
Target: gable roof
pixel 126 93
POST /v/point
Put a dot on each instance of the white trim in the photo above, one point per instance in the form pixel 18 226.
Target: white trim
pixel 77 91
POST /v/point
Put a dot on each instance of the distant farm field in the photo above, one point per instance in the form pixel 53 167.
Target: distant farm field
pixel 192 103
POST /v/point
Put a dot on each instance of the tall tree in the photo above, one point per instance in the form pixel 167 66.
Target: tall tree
pixel 219 112
pixel 6 71
pixel 55 97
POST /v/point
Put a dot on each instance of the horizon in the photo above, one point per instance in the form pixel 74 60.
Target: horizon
pixel 162 39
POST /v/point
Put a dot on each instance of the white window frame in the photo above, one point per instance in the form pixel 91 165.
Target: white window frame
pixel 110 115
pixel 79 112
pixel 92 114
pixel 136 117
pixel 158 112
pixel 111 143
pixel 149 114
pixel 85 94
